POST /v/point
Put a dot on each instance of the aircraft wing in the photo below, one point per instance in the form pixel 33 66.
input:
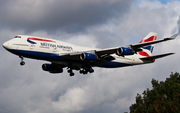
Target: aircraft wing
pixel 78 56
pixel 134 47
pixel 71 56
pixel 105 54
pixel 101 52
pixel 139 45
pixel 107 51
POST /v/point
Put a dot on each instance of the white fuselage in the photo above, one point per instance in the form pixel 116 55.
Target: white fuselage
pixel 51 50
pixel 62 54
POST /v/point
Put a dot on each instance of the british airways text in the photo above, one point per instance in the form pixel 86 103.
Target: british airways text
pixel 56 46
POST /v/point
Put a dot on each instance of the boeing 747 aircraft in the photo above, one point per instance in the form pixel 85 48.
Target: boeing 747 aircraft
pixel 64 55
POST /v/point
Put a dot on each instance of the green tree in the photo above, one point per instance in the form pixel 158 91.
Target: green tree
pixel 163 98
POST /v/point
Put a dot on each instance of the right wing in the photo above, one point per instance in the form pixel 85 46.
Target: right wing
pixel 134 47
pixel 139 45
pixel 105 54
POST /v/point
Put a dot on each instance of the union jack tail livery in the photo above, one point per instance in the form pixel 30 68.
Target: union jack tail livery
pixel 147 51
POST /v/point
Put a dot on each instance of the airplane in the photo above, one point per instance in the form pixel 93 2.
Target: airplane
pixel 83 59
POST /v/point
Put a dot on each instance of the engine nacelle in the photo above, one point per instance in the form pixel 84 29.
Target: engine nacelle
pixel 124 51
pixel 88 56
pixel 52 68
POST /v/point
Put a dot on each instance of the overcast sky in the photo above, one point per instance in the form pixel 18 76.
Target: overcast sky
pixel 91 23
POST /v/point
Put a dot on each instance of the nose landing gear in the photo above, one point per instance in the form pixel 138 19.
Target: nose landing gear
pixel 22 62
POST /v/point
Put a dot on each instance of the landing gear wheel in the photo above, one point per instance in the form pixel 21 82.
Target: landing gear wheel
pixel 85 72
pixel 22 63
pixel 81 71
pixel 71 74
pixel 70 71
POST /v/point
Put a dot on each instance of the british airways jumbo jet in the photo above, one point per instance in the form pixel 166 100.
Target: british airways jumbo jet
pixel 64 55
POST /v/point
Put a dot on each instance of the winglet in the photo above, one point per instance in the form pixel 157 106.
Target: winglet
pixel 172 37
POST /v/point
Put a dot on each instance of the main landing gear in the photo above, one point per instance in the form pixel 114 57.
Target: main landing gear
pixel 81 71
pixel 22 62
pixel 71 73
pixel 85 71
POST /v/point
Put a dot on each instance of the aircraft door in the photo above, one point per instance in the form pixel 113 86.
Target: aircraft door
pixel 133 59
pixel 32 46
pixel 55 49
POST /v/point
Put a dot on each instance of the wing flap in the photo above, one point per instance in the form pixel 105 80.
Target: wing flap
pixel 71 56
pixel 76 56
pixel 106 51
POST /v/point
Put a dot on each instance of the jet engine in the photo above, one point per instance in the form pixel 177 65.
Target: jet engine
pixel 52 68
pixel 88 56
pixel 124 51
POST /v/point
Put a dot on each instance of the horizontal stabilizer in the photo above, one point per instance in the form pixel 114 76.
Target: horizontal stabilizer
pixel 156 56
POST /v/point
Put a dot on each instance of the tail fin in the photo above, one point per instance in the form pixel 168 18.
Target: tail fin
pixel 146 51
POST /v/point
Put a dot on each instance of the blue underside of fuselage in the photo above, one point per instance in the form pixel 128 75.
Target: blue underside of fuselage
pixel 112 64
pixel 55 57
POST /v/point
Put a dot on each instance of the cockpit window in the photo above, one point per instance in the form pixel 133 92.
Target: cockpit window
pixel 17 37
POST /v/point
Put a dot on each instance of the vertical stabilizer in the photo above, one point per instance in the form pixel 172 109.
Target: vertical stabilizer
pixel 148 49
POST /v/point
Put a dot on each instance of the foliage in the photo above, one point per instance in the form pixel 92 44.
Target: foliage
pixel 163 98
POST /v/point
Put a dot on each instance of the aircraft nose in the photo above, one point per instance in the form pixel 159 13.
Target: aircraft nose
pixel 5 45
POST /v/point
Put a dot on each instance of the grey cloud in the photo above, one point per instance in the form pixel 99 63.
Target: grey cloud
pixel 135 25
pixel 178 25
pixel 29 89
pixel 54 15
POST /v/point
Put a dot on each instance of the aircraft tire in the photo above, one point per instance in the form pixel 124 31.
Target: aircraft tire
pixel 71 74
pixel 22 63
pixel 85 72
pixel 81 71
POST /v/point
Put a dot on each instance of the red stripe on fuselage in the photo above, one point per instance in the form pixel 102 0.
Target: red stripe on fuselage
pixel 142 53
pixel 38 39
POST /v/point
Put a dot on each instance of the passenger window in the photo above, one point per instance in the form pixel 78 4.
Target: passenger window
pixel 17 37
